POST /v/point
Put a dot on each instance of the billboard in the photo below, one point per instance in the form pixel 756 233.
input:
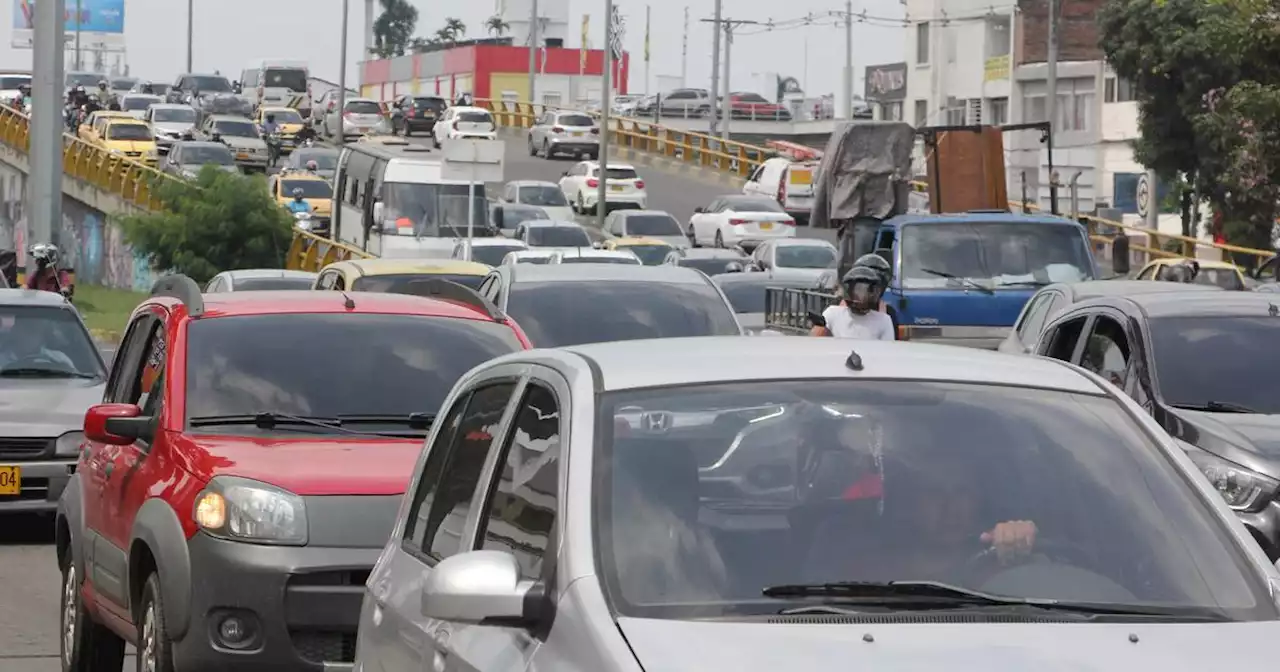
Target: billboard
pixel 101 24
pixel 886 83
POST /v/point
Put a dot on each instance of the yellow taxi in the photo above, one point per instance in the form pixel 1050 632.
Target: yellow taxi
pixel 130 138
pixel 288 120
pixel 651 252
pixel 1220 273
pixel 394 275
pixel 91 129
pixel 316 191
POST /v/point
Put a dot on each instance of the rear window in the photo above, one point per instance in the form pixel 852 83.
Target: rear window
pixel 650 255
pixel 710 266
pixel 551 314
pixel 549 195
pixel 363 107
pixel 310 188
pixel 754 205
pixel 475 117
pixel 124 84
pixel 132 103
pixel 805 256
pixel 625 261
pixel 558 236
pixel 492 254
pixel 267 284
pixel 653 225
pixel 400 284
pixel 620 173
pixel 294 79
pixel 242 366
pixel 575 120
pixel 11 82
pixel 746 297
pixel 436 104
pixel 238 129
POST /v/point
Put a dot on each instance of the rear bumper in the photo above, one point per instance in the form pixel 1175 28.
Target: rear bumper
pixel 753 239
pixel 640 201
pixel 42 486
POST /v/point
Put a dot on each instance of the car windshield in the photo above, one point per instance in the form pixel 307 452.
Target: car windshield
pixel 750 97
pixel 804 256
pixel 209 84
pixel 239 366
pixel 650 255
pixel 159 89
pixel 770 483
pixel 558 236
pixel 548 195
pixel 578 120
pixel 12 82
pixel 402 283
pixel 284 116
pixel 652 225
pixel 301 283
pixel 325 159
pixel 427 207
pixel 363 107
pixel 475 117
pixel 514 215
pixel 195 156
pixel 294 79
pixel 310 188
pixel 176 115
pixel 552 314
pixel 596 259
pixel 237 129
pixel 129 132
pixel 951 255
pixel 491 254
pixel 1227 360
pixel 752 205
pixel 714 266
pixel 45 342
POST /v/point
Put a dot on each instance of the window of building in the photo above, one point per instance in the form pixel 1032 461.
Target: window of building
pixel 955 112
pixel 891 111
pixel 922 43
pixel 1075 105
pixel 1118 90
pixel 551 99
pixel 998 111
pixel 922 112
pixel 998 42
pixel 1033 108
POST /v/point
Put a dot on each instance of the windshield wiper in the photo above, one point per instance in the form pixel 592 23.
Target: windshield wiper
pixel 1026 283
pixel 267 420
pixel 1216 407
pixel 421 421
pixel 40 372
pixel 927 594
pixel 964 281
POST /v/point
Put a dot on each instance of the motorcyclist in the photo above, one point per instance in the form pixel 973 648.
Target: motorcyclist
pixel 859 315
pixel 216 137
pixel 47 276
pixel 103 94
pixel 148 88
pixel 306 135
pixel 313 167
pixel 464 100
pixel 270 130
pixel 1185 271
pixel 25 90
pixel 298 205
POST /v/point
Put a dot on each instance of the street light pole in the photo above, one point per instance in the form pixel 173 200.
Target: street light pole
pixel 78 60
pixel 715 67
pixel 342 72
pixel 533 53
pixel 45 182
pixel 848 59
pixel 602 192
pixel 191 31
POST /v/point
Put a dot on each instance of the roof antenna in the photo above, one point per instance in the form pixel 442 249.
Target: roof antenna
pixel 349 304
pixel 854 362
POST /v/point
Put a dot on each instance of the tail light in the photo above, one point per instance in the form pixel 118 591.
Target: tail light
pixel 595 131
pixel 332 105
pixel 593 182
pixel 738 222
pixel 557 129
pixel 789 222
pixel 639 184
pixel 782 190
pixel 348 114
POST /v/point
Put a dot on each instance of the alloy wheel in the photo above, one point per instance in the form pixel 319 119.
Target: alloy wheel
pixel 69 615
pixel 147 654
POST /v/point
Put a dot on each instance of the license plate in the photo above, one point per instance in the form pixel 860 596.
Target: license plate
pixel 617 188
pixel 801 177
pixel 766 226
pixel 577 135
pixel 10 480
pixel 242 155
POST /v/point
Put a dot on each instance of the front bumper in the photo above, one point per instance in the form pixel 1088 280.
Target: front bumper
pixel 252 160
pixel 42 485
pixel 299 605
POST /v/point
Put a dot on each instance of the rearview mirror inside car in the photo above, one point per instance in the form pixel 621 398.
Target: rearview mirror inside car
pixel 115 424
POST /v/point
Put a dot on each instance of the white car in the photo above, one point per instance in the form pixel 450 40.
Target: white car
pixel 592 256
pixel 800 259
pixel 545 196
pixel 740 220
pixel 471 123
pixel 260 279
pixel 491 251
pixel 527 257
pixel 581 183
pixel 787 181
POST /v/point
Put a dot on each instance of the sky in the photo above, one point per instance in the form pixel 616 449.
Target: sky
pixel 232 34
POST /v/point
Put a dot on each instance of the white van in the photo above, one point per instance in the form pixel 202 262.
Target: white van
pixel 787 178
pixel 391 201
pixel 278 83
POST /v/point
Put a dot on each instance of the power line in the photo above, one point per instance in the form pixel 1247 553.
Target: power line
pixel 837 19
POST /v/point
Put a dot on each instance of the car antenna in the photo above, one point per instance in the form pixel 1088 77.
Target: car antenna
pixel 348 303
pixel 854 362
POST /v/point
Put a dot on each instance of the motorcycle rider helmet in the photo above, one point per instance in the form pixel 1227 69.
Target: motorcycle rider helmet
pixel 863 287
pixel 297 195
pixel 44 254
pixel 312 166
pixel 102 86
pixel 216 136
pixel 876 262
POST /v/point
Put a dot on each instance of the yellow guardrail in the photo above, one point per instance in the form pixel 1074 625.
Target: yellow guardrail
pixel 130 180
pixel 310 252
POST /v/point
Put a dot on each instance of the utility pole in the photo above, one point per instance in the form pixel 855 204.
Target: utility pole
pixel 729 25
pixel 728 48
pixel 342 72
pixel 78 60
pixel 44 202
pixel 715 68
pixel 606 99
pixel 646 49
pixel 191 31
pixel 1051 97
pixel 684 52
pixel 533 52
pixel 848 59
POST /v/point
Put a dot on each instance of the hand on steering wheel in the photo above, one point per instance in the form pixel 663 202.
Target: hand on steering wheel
pixel 1011 539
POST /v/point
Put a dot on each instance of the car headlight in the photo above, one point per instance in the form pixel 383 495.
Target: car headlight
pixel 240 509
pixel 68 445
pixel 1242 488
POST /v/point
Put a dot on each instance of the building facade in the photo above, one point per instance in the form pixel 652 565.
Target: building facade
pixel 497 71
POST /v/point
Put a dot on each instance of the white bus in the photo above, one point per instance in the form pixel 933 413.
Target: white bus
pixel 277 83
pixel 391 200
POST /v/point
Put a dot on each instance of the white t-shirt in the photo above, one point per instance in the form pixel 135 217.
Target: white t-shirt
pixel 873 326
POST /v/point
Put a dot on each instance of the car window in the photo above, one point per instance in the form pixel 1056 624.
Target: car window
pixel 270 284
pixel 363 107
pixel 135 103
pixel 293 79
pixel 1147 273
pixel 1060 342
pixel 748 204
pixel 522 500
pixel 475 117
pixel 202 154
pixel 897 481
pixel 492 254
pixel 1226 278
pixel 542 195
pixel 712 266
pixel 558 236
pixel 652 225
pixel 621 174
pixel 1033 320
pixel 236 129
pixel 1106 352
pixel 208 84
pixel 650 255
pixel 151 371
pixel 746 297
pixel 1220 363
pixel 44 342
pixel 578 120
pixel 245 365
pixel 442 507
pixel 804 256
pixel 310 188
pixel 551 313
pixel 402 283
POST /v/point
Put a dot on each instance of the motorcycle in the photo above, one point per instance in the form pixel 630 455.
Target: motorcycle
pixel 274 143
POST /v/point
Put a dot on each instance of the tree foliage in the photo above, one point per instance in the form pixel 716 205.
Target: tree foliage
pixel 453 30
pixel 393 29
pixel 496 26
pixel 221 221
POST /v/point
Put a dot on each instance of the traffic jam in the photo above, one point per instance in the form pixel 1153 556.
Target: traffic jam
pixel 496 437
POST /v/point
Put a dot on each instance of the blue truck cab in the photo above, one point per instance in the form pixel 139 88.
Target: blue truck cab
pixel 962 279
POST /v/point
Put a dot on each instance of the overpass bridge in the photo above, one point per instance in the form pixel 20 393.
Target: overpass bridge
pixel 683 169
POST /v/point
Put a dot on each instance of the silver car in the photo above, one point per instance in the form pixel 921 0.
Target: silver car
pixel 360 116
pixel 241 136
pixel 260 279
pixel 170 122
pixel 803 259
pixel 655 224
pixel 50 374
pixel 573 134
pixel 137 104
pixel 906 506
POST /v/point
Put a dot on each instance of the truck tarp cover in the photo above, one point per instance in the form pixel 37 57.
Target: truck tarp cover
pixel 863 172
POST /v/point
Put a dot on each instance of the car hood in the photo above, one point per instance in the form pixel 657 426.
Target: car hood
pixel 564 213
pixel 243 143
pixel 696 646
pixel 130 145
pixel 312 465
pixel 46 407
pixel 1252 440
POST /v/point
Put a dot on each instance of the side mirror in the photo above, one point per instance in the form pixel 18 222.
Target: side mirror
pixel 698 211
pixel 377 213
pixel 115 424
pixel 1120 255
pixel 565 173
pixel 476 587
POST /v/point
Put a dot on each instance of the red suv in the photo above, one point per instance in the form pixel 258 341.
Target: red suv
pixel 245 469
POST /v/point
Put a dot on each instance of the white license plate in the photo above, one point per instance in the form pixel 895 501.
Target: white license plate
pixel 766 226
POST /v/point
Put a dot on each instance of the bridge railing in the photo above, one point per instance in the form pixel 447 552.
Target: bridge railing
pixel 310 252
pixel 131 180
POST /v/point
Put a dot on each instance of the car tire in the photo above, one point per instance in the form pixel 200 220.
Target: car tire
pixel 693 238
pixel 546 150
pixel 155 650
pixel 581 207
pixel 86 646
pixel 719 240
pixel 533 150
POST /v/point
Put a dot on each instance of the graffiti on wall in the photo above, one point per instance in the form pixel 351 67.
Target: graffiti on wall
pixel 90 243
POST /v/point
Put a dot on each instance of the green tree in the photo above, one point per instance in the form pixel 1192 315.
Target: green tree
pixel 393 29
pixel 220 221
pixel 496 26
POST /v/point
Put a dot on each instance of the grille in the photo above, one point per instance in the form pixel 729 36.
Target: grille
pixel 36 489
pixel 318 646
pixel 23 448
pixel 352 577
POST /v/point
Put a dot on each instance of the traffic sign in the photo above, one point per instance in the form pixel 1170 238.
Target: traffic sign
pixel 1144 195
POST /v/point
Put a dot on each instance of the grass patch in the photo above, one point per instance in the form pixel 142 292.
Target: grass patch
pixel 105 310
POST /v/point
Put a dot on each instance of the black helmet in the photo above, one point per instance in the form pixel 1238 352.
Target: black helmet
pixel 863 287
pixel 876 263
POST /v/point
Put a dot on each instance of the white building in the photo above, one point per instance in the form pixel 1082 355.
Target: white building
pixel 553 30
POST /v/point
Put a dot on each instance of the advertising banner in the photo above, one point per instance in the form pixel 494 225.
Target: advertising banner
pixel 886 83
pixel 101 24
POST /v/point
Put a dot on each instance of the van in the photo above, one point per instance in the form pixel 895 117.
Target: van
pixel 392 201
pixel 788 178
pixel 278 83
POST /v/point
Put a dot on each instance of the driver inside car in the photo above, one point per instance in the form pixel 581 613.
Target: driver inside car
pixel 25 343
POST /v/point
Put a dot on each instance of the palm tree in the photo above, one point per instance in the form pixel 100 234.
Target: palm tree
pixel 496 26
pixel 456 28
pixel 443 36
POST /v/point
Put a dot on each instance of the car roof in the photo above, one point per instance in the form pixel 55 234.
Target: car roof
pixel 201 143
pixel 498 242
pixel 172 106
pixel 1199 304
pixel 711 253
pixel 470 108
pixel 229 117
pixel 374 267
pixel 139 94
pixel 979 216
pixel 628 241
pixel 619 166
pixel 281 302
pixel 1090 289
pixel 635 213
pixel 532 183
pixel 624 365
pixel 801 242
pixel 550 223
pixel 122 121
pixel 608 273
pixel 277 108
pixel 30 297
pixel 1202 263
pixel 251 273
pixel 591 252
